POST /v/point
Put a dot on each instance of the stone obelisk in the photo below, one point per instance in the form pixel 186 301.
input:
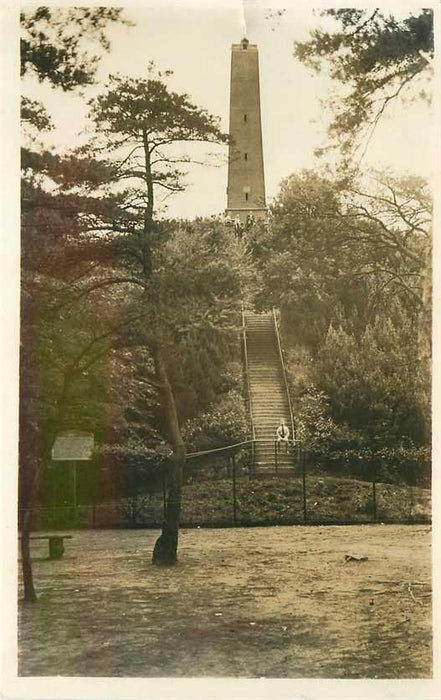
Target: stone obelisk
pixel 246 183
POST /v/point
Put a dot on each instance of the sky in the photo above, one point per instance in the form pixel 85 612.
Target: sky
pixel 193 39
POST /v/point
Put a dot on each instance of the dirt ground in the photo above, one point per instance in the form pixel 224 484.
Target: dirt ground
pixel 277 602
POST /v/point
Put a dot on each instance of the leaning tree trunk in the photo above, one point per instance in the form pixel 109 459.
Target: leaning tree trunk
pixel 27 500
pixel 31 469
pixel 29 594
pixel 166 547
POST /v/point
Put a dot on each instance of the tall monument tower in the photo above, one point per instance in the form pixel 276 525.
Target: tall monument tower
pixel 246 183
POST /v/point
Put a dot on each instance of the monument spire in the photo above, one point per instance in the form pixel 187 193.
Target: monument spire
pixel 246 183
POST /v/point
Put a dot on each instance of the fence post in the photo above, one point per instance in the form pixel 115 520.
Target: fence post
pixel 303 461
pixel 233 462
pixel 412 501
pixel 374 493
pixel 275 456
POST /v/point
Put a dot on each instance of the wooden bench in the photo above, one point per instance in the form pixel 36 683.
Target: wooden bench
pixel 56 546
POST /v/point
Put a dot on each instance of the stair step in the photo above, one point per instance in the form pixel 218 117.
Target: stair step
pixel 259 367
pixel 272 412
pixel 262 375
pixel 264 397
pixel 267 413
pixel 268 418
pixel 263 357
pixel 265 400
pixel 268 399
pixel 268 390
pixel 263 364
pixel 266 405
pixel 262 379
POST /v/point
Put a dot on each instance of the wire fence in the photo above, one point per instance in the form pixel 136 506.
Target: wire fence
pixel 225 487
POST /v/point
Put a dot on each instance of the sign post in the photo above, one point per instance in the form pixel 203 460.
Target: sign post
pixel 73 446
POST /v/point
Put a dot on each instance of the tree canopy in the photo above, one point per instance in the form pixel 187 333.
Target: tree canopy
pixel 138 122
pixel 333 247
pixel 55 43
pixel 376 57
pixel 55 48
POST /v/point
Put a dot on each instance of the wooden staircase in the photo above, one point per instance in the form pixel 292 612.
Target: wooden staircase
pixel 268 398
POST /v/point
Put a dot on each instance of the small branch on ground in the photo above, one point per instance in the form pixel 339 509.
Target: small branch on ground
pixel 412 595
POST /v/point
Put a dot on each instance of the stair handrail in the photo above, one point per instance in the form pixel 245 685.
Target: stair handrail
pixel 201 453
pixel 247 375
pixel 285 380
pixel 225 448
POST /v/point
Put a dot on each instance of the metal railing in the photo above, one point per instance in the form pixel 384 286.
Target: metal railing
pixel 247 376
pixel 237 501
pixel 218 450
pixel 282 362
pixel 293 448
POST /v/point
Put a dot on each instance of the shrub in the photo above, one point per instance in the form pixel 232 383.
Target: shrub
pixel 224 423
pixel 315 427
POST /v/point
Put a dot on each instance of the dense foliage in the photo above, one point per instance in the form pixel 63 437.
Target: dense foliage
pixel 225 422
pixel 344 261
pixel 55 43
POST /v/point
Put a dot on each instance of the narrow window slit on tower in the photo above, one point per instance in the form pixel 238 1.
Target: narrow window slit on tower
pixel 244 117
pixel 246 156
pixel 246 196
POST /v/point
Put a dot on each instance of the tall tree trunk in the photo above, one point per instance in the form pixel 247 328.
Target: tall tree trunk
pixel 30 484
pixel 25 521
pixel 29 594
pixel 146 248
pixel 166 547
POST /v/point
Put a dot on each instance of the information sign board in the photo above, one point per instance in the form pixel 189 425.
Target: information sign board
pixel 73 446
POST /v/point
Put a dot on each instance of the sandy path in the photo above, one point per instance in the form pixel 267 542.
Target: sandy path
pixel 274 602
